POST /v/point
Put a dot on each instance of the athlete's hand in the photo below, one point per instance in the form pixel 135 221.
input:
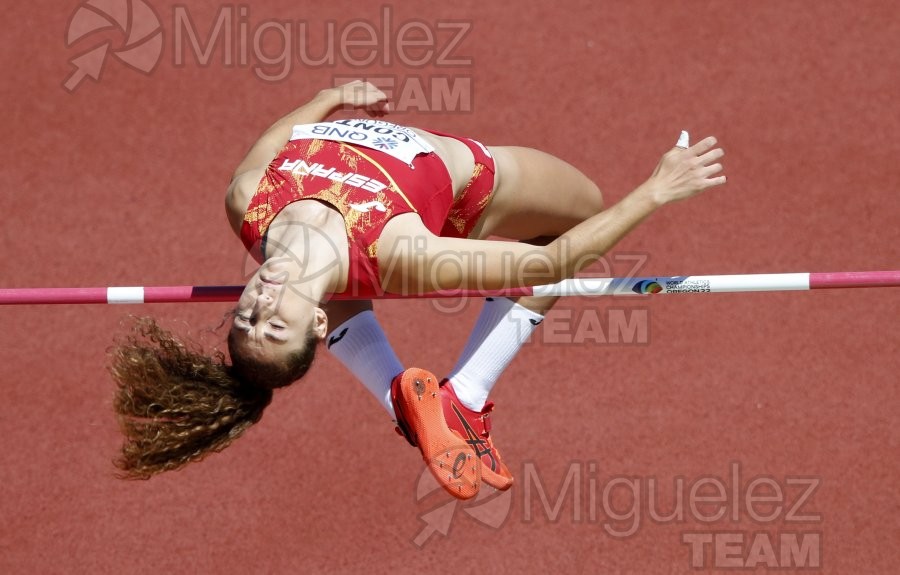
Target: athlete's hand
pixel 685 172
pixel 359 95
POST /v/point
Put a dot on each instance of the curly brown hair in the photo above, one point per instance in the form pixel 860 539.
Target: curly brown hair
pixel 176 404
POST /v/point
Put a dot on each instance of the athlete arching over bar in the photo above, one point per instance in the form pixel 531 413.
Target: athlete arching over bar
pixel 361 206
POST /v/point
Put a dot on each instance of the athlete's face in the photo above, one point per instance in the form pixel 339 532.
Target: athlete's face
pixel 272 319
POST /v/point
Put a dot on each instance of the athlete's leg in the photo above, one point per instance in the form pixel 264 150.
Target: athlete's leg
pixel 356 339
pixel 536 197
pixel 536 194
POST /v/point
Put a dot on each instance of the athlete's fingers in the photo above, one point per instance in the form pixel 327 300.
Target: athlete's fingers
pixel 710 170
pixel 364 95
pixel 711 156
pixel 703 146
pixel 717 181
pixel 377 109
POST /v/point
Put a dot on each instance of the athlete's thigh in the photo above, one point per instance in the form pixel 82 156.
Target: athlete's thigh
pixel 536 194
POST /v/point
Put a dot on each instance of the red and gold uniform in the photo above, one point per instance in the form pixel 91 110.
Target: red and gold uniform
pixel 368 187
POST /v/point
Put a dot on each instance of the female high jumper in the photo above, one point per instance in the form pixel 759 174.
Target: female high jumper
pixel 361 208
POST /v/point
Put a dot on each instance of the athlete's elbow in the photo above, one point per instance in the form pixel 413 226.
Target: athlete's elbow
pixel 541 267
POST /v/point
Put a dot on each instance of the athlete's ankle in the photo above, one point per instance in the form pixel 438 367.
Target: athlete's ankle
pixel 472 396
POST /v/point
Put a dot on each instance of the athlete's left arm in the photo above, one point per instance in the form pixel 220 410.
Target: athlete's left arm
pixel 356 94
pixel 413 260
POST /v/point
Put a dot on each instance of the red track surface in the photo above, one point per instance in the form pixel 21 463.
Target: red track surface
pixel 121 182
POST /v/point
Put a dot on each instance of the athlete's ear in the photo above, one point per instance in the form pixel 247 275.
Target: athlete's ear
pixel 320 323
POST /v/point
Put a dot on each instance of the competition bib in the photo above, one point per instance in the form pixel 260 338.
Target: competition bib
pixel 398 141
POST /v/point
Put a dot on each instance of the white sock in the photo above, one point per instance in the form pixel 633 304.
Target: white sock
pixel 362 346
pixel 502 328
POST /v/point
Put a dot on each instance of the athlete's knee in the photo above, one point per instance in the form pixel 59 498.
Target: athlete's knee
pixel 590 198
pixel 595 197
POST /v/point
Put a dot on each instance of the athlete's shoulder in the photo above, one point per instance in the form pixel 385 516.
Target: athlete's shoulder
pixel 239 194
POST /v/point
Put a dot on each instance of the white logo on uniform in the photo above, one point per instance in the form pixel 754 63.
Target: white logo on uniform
pixel 483 147
pixel 301 168
pixel 364 208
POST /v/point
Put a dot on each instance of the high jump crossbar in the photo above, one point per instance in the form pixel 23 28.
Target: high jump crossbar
pixel 572 287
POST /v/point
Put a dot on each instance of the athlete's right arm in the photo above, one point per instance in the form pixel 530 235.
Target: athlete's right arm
pixel 433 263
pixel 356 95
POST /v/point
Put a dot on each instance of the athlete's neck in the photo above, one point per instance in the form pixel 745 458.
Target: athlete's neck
pixel 307 240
